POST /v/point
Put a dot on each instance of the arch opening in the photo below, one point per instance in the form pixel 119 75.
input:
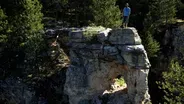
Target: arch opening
pixel 117 93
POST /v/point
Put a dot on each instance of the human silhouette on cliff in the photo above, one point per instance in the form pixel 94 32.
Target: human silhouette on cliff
pixel 126 13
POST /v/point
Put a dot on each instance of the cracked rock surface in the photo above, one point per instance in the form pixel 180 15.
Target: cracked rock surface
pixel 96 63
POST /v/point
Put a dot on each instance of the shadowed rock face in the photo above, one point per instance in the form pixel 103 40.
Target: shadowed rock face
pixel 94 65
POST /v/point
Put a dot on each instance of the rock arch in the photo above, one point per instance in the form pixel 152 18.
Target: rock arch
pixel 94 65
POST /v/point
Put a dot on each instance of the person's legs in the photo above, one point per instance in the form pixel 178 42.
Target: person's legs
pixel 126 25
pixel 124 21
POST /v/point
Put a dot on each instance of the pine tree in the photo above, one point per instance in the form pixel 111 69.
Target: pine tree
pixel 3 28
pixel 53 8
pixel 162 12
pixel 172 84
pixel 26 26
pixel 22 31
pixel 151 45
pixel 80 12
pixel 106 13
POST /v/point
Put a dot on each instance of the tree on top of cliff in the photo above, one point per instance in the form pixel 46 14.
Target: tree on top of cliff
pixel 3 28
pixel 24 41
pixel 26 28
pixel 106 13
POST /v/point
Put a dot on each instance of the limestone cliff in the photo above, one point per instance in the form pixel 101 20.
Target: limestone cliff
pixel 98 58
pixel 98 55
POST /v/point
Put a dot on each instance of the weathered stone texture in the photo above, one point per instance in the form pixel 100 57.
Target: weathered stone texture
pixel 94 66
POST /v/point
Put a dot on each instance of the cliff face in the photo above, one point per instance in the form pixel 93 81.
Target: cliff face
pixel 98 56
pixel 95 65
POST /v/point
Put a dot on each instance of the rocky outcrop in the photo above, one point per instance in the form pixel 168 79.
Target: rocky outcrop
pixel 98 58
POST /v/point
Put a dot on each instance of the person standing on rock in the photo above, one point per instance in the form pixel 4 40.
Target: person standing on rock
pixel 126 14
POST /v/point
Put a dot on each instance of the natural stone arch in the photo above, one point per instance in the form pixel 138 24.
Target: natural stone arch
pixel 100 80
pixel 93 66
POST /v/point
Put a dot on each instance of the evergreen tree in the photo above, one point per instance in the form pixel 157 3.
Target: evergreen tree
pixel 24 41
pixel 3 28
pixel 150 44
pixel 162 12
pixel 106 13
pixel 26 27
pixel 173 84
pixel 79 12
pixel 75 13
pixel 53 8
pixel 4 33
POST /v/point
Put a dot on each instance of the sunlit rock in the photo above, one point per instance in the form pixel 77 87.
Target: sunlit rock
pixel 97 58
